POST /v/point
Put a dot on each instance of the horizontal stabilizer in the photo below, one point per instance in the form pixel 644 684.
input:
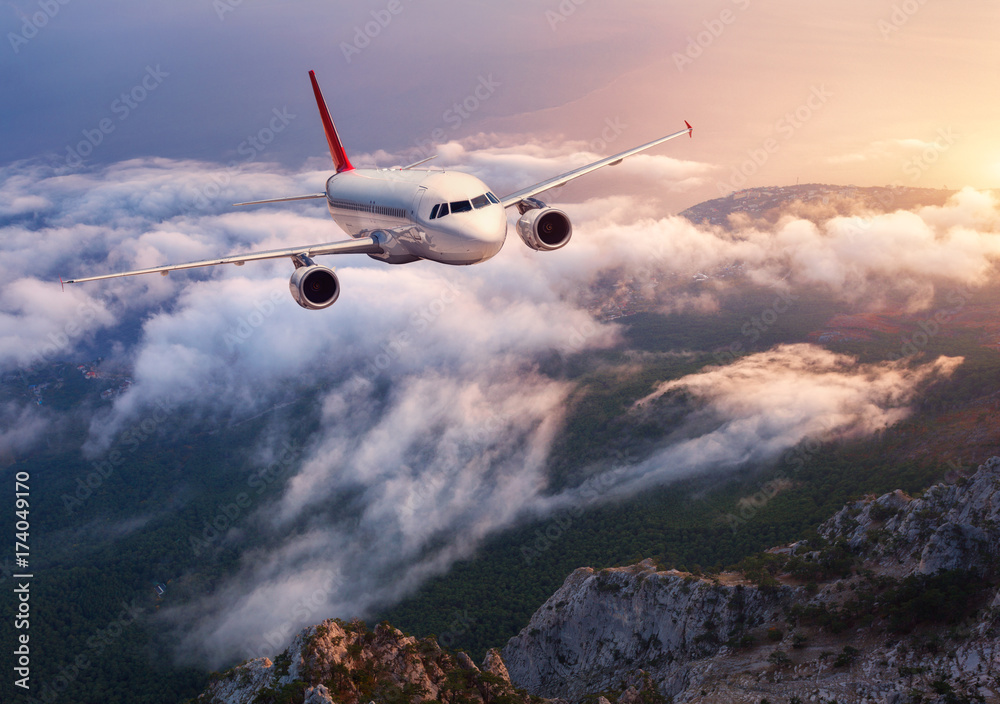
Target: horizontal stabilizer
pixel 418 163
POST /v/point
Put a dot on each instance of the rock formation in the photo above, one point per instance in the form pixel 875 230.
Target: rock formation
pixel 347 664
pixel 897 602
pixel 894 602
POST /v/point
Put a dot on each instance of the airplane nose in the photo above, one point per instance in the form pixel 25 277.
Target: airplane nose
pixel 490 228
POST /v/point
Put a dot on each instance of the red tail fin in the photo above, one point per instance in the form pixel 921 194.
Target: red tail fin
pixel 336 148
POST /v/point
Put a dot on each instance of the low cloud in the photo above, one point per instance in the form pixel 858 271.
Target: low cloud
pixel 764 403
pixel 22 427
pixel 435 421
pixel 449 460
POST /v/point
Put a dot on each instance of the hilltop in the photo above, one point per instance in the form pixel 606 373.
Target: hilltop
pixel 894 599
pixel 813 201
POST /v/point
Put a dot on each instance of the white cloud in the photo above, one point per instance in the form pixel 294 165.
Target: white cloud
pixel 450 441
pixel 21 428
pixel 453 458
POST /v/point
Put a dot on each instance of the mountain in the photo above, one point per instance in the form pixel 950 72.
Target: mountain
pixel 893 600
pixel 814 201
pixel 348 663
pixel 175 516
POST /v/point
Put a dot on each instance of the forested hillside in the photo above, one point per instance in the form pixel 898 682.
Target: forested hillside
pixel 167 513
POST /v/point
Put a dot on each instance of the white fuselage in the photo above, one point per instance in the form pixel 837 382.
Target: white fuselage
pixel 405 209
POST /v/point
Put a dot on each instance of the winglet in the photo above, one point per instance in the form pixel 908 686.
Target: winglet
pixel 62 283
pixel 336 148
pixel 690 128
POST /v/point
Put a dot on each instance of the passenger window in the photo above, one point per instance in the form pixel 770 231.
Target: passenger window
pixel 480 201
pixel 493 198
pixel 461 206
pixel 434 211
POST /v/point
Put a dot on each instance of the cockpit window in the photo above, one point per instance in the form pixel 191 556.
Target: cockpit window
pixel 463 206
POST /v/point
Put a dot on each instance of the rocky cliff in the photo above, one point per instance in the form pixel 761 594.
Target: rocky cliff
pixel 601 625
pixel 895 602
pixel 347 663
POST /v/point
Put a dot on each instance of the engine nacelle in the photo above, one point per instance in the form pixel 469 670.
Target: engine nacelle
pixel 314 287
pixel 545 229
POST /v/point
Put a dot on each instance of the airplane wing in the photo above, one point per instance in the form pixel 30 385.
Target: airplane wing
pixel 515 198
pixel 283 200
pixel 362 245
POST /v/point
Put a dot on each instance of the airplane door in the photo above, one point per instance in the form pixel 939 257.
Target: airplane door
pixel 418 198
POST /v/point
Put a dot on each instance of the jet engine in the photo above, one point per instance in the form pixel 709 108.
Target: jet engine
pixel 545 229
pixel 314 287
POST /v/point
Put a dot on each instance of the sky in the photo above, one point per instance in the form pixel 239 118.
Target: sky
pixel 860 92
pixel 435 416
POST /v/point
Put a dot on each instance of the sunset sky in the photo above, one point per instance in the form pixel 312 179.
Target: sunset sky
pixel 851 91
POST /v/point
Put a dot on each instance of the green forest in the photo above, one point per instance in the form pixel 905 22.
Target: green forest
pixel 99 552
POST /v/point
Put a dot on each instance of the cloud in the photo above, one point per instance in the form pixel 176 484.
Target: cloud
pixel 389 497
pixel 764 403
pixel 509 168
pixel 21 427
pixel 856 258
pixel 37 327
pixel 386 498
pixel 435 422
pixel 884 150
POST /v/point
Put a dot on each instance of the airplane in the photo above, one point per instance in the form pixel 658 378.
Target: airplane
pixel 400 215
